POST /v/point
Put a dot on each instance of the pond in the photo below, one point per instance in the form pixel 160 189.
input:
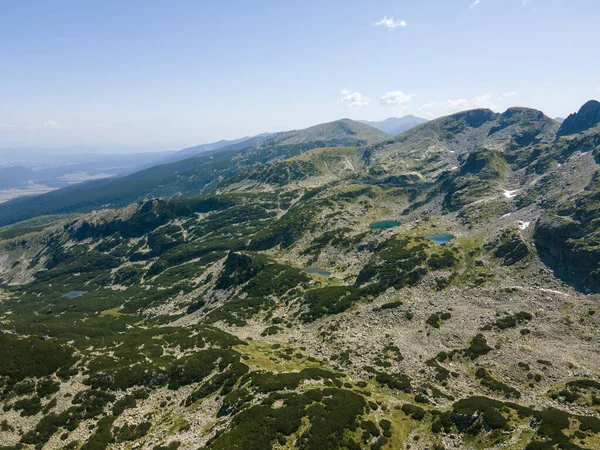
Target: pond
pixel 74 294
pixel 317 271
pixel 384 224
pixel 441 239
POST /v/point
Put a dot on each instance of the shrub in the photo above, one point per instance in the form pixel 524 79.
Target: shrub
pixel 495 385
pixel 269 331
pixel 413 411
pixel 396 380
pixel 132 432
pixel 436 319
pixel 31 357
pixel 391 305
pixel 28 406
pixel 478 347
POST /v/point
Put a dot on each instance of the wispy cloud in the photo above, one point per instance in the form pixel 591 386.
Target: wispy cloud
pixel 483 101
pixel 354 98
pixel 477 2
pixel 391 23
pixel 507 95
pixel 52 124
pixel 442 108
pixel 395 98
pixel 437 109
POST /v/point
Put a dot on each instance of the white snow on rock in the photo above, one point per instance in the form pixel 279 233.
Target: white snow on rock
pixel 510 194
pixel 553 291
pixel 523 225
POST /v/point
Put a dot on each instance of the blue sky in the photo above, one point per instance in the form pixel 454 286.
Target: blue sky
pixel 161 75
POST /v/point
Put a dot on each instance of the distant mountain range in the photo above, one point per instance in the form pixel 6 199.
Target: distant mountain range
pixel 192 176
pixel 25 172
pixel 396 125
pixel 198 149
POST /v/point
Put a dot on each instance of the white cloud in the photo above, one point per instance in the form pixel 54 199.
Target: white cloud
pixel 437 109
pixel 354 98
pixel 52 124
pixel 477 2
pixel 483 101
pixel 391 23
pixel 444 108
pixel 394 98
pixel 598 88
pixel 507 95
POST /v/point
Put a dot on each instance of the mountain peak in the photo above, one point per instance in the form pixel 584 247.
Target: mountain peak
pixel 337 130
pixel 587 117
pixel 474 118
pixel 523 112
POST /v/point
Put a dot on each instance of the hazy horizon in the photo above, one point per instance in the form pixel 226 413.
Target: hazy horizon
pixel 154 148
pixel 136 77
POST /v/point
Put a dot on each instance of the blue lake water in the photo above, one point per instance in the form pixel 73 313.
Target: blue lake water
pixel 384 224
pixel 441 239
pixel 317 271
pixel 74 294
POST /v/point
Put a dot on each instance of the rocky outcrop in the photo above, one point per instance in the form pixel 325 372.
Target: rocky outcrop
pixel 570 249
pixel 477 177
pixel 509 246
pixel 239 268
pixel 587 117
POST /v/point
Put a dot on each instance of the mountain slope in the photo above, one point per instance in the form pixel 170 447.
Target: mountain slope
pixel 43 172
pixel 198 149
pixel 587 117
pixel 344 297
pixel 189 177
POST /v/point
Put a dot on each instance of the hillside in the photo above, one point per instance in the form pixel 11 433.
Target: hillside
pixel 26 171
pixel 189 177
pixel 332 288
pixel 190 152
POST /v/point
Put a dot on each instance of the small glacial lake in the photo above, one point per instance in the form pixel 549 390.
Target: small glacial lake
pixel 317 271
pixel 384 224
pixel 441 239
pixel 74 294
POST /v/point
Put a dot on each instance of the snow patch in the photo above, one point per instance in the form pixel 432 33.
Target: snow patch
pixel 552 291
pixel 523 225
pixel 510 194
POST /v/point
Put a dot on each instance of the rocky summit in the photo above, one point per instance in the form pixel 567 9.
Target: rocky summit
pixel 329 288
